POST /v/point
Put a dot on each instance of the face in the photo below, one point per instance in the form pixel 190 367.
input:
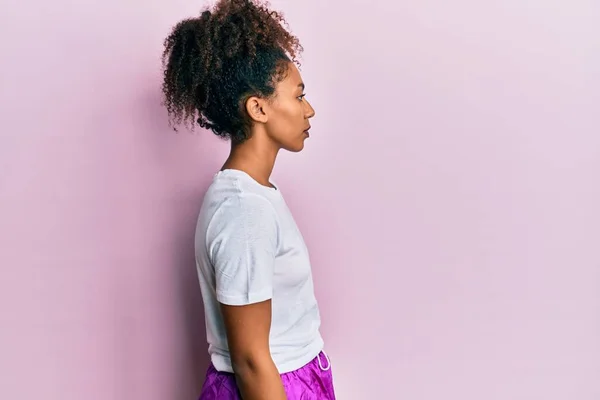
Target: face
pixel 289 112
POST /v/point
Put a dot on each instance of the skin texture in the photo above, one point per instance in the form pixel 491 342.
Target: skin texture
pixel 233 71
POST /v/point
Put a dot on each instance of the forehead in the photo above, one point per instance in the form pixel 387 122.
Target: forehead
pixel 292 79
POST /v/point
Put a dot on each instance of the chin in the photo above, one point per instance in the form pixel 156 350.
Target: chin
pixel 296 147
pixel 301 147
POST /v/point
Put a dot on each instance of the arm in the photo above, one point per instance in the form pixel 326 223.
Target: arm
pixel 248 329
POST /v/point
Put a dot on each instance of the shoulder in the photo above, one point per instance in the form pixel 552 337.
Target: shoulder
pixel 246 204
pixel 235 192
pixel 242 211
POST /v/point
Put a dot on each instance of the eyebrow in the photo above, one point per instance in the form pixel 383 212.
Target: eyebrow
pixel 301 85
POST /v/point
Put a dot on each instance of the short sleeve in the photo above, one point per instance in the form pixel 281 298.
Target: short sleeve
pixel 242 240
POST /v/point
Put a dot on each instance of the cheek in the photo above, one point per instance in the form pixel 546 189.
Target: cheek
pixel 288 117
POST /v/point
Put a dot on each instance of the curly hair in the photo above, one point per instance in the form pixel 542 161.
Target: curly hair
pixel 215 62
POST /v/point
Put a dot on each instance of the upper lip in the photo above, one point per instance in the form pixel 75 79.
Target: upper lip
pixel 307 128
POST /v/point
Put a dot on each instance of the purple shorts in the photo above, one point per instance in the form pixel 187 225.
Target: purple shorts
pixel 314 381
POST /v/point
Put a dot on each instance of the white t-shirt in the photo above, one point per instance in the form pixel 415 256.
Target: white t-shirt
pixel 248 250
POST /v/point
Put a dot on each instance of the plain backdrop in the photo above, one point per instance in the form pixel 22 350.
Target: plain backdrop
pixel 449 195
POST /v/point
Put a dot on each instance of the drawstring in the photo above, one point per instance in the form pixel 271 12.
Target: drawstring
pixel 328 361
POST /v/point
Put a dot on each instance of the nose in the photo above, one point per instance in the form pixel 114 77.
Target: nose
pixel 311 111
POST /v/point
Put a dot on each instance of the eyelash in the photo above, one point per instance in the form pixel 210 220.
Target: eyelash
pixel 301 97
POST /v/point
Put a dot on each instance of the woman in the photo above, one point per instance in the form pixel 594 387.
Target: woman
pixel 233 71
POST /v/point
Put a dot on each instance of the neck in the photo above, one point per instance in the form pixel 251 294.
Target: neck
pixel 256 156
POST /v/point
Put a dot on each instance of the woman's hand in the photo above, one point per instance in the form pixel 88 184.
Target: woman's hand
pixel 248 330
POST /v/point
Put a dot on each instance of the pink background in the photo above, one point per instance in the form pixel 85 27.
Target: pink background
pixel 449 194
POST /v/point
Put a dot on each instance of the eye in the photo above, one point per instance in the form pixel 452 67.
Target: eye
pixel 301 97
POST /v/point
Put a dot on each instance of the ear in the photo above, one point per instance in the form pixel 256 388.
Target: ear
pixel 255 107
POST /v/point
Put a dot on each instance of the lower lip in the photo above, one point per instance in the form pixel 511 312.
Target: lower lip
pixel 306 133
